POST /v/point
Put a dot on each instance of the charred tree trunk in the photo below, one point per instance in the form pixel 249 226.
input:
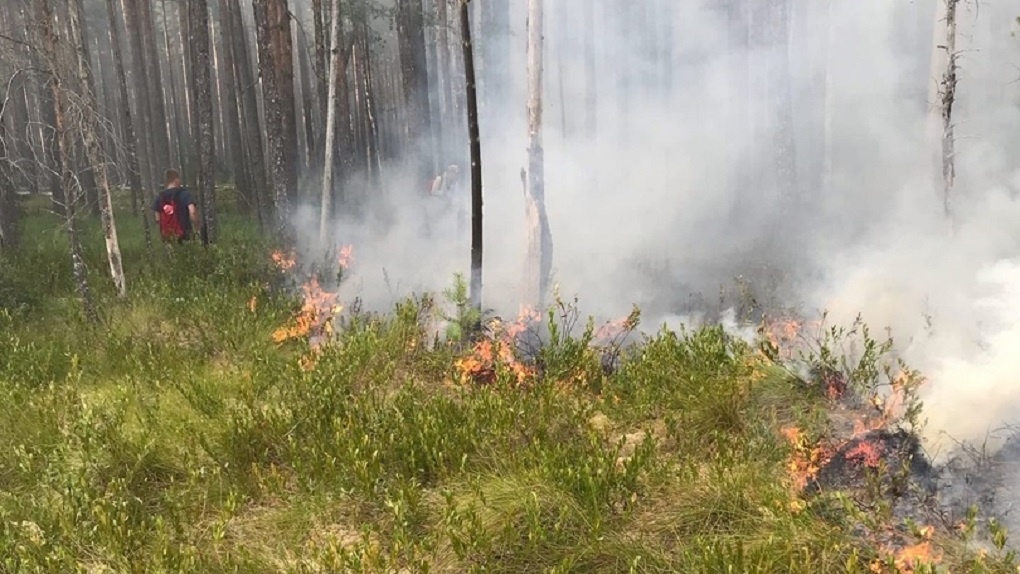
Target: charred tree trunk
pixel 93 148
pixel 63 136
pixel 130 138
pixel 321 71
pixel 198 18
pixel 538 262
pixel 413 66
pixel 476 158
pixel 274 118
pixel 369 100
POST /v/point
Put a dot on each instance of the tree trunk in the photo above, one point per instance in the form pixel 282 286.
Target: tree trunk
pixel 476 157
pixel 538 262
pixel 274 118
pixel 234 116
pixel 282 42
pixel 155 82
pixel 178 137
pixel 130 138
pixel 249 112
pixel 94 150
pixel 140 78
pixel 947 99
pixel 326 213
pixel 198 20
pixel 63 136
pixel 413 66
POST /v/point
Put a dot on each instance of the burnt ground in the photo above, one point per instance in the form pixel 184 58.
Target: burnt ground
pixel 882 470
pixel 989 481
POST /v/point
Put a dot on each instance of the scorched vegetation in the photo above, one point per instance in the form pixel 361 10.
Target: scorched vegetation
pixel 213 422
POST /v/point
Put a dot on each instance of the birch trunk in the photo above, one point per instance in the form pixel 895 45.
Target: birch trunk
pixel 326 208
pixel 538 262
pixel 94 149
pixel 947 100
pixel 44 15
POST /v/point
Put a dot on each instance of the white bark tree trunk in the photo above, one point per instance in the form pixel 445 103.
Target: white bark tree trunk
pixel 327 174
pixel 538 262
pixel 94 150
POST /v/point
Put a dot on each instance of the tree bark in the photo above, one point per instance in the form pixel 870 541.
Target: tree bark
pixel 281 39
pixel 63 137
pixel 274 118
pixel 326 213
pixel 198 18
pixel 538 262
pixel 414 69
pixel 476 158
pixel 155 82
pixel 234 115
pixel 94 150
pixel 248 107
pixel 947 99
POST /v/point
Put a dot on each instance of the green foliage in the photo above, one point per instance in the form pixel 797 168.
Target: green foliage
pixel 179 437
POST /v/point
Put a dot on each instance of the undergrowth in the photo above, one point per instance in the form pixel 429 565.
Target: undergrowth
pixel 179 437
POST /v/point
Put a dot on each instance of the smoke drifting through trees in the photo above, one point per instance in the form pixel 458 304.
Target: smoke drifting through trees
pixel 745 137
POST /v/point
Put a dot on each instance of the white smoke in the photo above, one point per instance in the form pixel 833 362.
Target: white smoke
pixel 653 210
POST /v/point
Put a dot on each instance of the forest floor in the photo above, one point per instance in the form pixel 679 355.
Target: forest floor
pixel 188 433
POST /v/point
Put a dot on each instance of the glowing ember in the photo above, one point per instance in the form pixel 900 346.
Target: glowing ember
pixel 867 453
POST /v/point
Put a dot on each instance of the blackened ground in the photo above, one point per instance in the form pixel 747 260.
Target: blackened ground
pixel 991 482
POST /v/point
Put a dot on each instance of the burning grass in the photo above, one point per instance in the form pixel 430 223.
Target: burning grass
pixel 567 447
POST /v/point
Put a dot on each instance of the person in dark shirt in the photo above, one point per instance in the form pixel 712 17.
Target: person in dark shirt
pixel 175 210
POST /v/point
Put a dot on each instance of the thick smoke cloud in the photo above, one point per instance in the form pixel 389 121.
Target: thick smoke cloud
pixel 675 196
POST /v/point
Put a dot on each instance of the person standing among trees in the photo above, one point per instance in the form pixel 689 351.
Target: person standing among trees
pixel 175 210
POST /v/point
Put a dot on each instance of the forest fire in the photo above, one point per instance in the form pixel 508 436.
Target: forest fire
pixel 284 261
pixel 497 350
pixel 319 306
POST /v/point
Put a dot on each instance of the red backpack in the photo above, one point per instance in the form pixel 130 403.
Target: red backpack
pixel 169 220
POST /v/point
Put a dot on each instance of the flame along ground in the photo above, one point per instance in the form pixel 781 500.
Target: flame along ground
pixel 496 352
pixel 787 338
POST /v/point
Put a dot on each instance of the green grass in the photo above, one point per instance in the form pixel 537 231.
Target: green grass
pixel 177 437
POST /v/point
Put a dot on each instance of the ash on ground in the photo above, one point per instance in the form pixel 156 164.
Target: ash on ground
pixel 991 482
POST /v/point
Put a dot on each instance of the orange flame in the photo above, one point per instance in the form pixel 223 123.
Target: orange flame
pixel 497 350
pixel 867 452
pixel 284 261
pixel 318 308
pixel 806 461
pixel 346 256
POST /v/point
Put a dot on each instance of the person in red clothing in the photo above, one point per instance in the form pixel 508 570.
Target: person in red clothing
pixel 175 210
